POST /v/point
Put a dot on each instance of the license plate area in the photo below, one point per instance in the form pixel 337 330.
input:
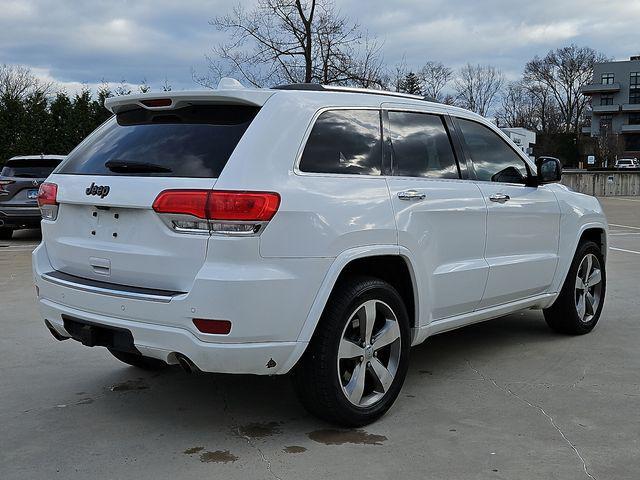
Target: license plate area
pixel 93 334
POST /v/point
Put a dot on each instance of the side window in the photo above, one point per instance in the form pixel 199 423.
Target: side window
pixel 493 159
pixel 420 146
pixel 344 141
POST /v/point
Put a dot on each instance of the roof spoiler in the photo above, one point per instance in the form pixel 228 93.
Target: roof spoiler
pixel 173 100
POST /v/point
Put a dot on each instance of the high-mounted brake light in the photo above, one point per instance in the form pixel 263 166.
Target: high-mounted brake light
pixel 48 201
pixel 225 212
pixel 156 102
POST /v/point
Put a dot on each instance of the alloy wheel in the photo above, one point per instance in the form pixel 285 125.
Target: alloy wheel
pixel 588 287
pixel 369 353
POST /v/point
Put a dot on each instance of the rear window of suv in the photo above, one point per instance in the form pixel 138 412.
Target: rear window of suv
pixel 35 168
pixel 346 142
pixel 194 141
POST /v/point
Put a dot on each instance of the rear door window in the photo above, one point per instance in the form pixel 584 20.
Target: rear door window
pixel 345 141
pixel 194 141
pixel 35 168
pixel 420 146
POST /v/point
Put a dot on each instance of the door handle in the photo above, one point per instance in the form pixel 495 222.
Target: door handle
pixel 499 197
pixel 411 195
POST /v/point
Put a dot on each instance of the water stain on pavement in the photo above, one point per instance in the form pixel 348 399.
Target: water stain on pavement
pixel 294 449
pixel 425 372
pixel 219 456
pixel 193 450
pixel 129 385
pixel 340 437
pixel 260 429
pixel 85 401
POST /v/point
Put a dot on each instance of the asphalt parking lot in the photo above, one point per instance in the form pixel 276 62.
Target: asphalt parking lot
pixel 506 399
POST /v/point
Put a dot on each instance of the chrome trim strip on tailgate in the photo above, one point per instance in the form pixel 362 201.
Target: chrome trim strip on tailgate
pixel 105 288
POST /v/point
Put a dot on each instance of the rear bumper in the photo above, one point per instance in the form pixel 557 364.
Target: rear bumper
pixel 267 308
pixel 165 343
pixel 19 216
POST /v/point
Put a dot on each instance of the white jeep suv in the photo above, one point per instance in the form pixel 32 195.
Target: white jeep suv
pixel 306 229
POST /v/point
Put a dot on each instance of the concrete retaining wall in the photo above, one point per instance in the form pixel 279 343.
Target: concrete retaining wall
pixel 603 183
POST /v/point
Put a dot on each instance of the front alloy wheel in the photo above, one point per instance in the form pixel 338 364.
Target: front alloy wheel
pixel 579 304
pixel 588 287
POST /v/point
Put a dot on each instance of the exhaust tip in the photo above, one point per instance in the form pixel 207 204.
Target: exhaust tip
pixel 187 365
pixel 54 332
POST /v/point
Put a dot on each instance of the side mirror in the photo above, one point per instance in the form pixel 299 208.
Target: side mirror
pixel 549 170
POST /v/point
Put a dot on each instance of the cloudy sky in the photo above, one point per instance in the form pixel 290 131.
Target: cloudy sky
pixel 85 41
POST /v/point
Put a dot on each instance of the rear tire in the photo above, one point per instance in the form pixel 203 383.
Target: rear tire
pixel 139 361
pixel 356 362
pixel 6 233
pixel 577 309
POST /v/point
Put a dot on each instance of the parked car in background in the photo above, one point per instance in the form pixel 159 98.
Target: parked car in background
pixel 625 163
pixel 20 179
pixel 312 229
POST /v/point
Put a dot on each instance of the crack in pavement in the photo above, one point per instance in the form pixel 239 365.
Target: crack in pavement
pixel 541 410
pixel 247 438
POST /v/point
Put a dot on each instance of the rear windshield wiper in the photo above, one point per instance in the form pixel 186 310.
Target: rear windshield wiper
pixel 120 166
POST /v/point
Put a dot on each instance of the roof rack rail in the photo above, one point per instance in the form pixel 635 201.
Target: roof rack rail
pixel 316 87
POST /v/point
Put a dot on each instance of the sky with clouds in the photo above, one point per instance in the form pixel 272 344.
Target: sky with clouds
pixel 86 41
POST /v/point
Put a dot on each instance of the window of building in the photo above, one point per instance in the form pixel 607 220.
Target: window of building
pixel 607 78
pixel 634 119
pixel 634 87
pixel 606 99
pixel 345 141
pixel 606 122
pixel 493 159
pixel 420 146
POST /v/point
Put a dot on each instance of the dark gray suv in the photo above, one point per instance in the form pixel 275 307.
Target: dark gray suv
pixel 20 179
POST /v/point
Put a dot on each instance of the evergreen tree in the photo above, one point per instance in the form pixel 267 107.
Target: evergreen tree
pixel 411 84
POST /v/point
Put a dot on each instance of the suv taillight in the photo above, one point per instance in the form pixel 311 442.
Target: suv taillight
pixel 217 211
pixel 47 201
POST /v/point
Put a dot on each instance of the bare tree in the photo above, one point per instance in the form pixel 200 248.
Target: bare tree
pixel 122 89
pixel 519 108
pixel 562 72
pixel 144 87
pixel 435 76
pixel 292 41
pixel 477 87
pixel 18 82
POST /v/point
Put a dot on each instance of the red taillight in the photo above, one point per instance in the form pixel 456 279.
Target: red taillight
pixel 157 102
pixel 47 194
pixel 219 205
pixel 218 327
pixel 186 202
pixel 243 206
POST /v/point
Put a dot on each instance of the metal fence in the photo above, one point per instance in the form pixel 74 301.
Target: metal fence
pixel 603 183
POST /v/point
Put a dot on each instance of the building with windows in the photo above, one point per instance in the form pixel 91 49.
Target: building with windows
pixel 615 102
pixel 523 138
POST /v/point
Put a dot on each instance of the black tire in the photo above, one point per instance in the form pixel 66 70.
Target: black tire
pixel 6 233
pixel 139 361
pixel 563 316
pixel 316 377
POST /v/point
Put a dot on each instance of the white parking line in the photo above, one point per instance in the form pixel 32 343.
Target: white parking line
pixel 624 226
pixel 624 250
pixel 623 199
